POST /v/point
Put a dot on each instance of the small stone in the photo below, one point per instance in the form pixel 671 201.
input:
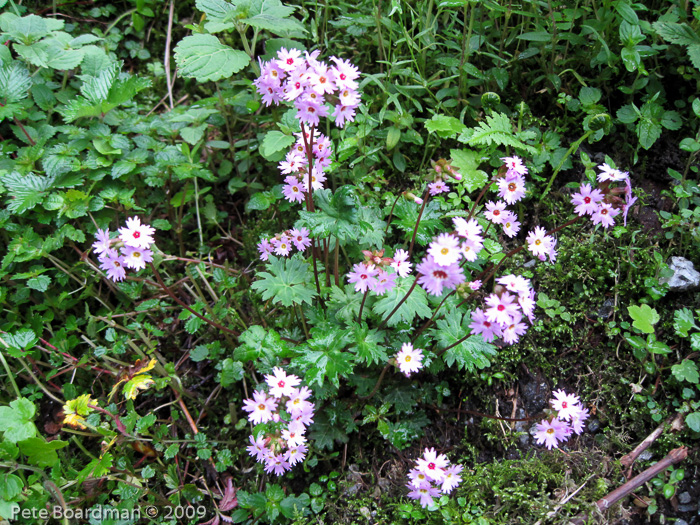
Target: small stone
pixel 687 508
pixel 592 425
pixel 530 264
pixel 645 456
pixel 535 396
pixel 607 309
pixel 681 522
pixel 365 513
pixel 684 497
pixel 685 277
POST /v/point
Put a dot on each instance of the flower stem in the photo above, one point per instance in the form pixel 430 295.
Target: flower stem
pixel 568 153
pixel 430 321
pixel 362 305
pixel 426 195
pixel 410 290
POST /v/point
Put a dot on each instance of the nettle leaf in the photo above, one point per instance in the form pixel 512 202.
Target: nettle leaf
pixel 467 163
pixel 19 341
pixel 96 468
pixel 367 344
pixel 288 283
pixel 323 358
pixel 275 141
pixel 444 126
pixel 16 420
pixel 415 306
pixel 471 353
pixel 683 320
pixel 345 302
pixel 215 9
pixel 675 33
pixel 405 217
pixel 273 16
pixel 204 58
pixel 645 317
pixel 15 83
pixel 26 191
pixel 686 370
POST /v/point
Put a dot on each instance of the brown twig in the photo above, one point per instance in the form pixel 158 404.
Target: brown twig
pixel 628 459
pixel 167 53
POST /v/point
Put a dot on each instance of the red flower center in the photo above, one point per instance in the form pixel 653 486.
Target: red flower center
pixel 512 186
pixel 500 307
pixel 439 274
pixel 280 384
pixel 564 404
pixel 363 276
pixel 496 212
pixel 431 466
pixel 137 235
pixel 587 200
pixel 290 61
pixel 604 211
pixel 297 85
pixel 322 80
pixel 342 76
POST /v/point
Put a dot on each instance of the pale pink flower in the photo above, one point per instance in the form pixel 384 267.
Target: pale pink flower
pixel 401 263
pixel 512 189
pixel 277 463
pixel 501 309
pixel 565 404
pixel 425 494
pixel 470 229
pixel 605 215
pixel 513 331
pixel 364 276
pixel 510 223
pixel 433 277
pixel 385 282
pixel 266 249
pixel 258 448
pixel 438 187
pixel 452 478
pixel 433 465
pixel 515 164
pixel 136 258
pixel 586 200
pixel 298 403
pixel 409 359
pixel 551 433
pixel 260 407
pixel 445 249
pixel 480 325
pixel 515 283
pixel 296 454
pixel 280 383
pixel 538 242
pixel 611 174
pixel 300 238
pixel 103 242
pixel 112 263
pixel 136 234
pixel 494 211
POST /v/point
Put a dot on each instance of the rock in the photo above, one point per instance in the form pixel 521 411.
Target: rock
pixel 645 456
pixel 592 425
pixel 530 264
pixel 685 277
pixel 607 309
pixel 684 497
pixel 521 426
pixel 687 508
pixel 535 396
pixel 681 522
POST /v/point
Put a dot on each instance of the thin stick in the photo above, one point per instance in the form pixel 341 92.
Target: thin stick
pixel 167 53
pixel 628 459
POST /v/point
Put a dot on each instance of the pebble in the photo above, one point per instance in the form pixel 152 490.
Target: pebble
pixel 645 456
pixel 681 522
pixel 684 497
pixel 592 425
pixel 685 277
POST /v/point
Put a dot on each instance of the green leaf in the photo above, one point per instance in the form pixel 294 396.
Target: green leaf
pixel 260 201
pixel 40 283
pixel 215 9
pixel 10 486
pixel 406 215
pixel 628 114
pixel 145 422
pixel 138 383
pixel 671 120
pixel 645 317
pixel 323 358
pixel 16 420
pixel 288 281
pixel 205 58
pixel 675 33
pixel 686 370
pixel 96 468
pixel 416 305
pixel 497 130
pixel 26 191
pixel 367 344
pixel 683 321
pixel 471 352
pixel 273 16
pixel 337 213
pixel 275 141
pixel 536 36
pixel 693 421
pixel 40 452
pixel 260 344
pixel 19 341
pixel 467 163
pixel 15 83
pixel 444 126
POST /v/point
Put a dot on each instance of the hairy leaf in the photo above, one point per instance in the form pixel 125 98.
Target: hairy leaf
pixel 416 305
pixel 469 354
pixel 25 191
pixel 288 281
pixel 205 58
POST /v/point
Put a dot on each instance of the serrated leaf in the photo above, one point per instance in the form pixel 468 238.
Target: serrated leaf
pixel 273 16
pixel 259 344
pixel 18 342
pixel 96 468
pixel 15 83
pixel 645 317
pixel 337 213
pixel 10 486
pixel 16 420
pixel 26 191
pixel 275 141
pixel 289 281
pixel 40 452
pixel 497 130
pixel 416 305
pixel 467 163
pixel 205 58
pixel 40 283
pixel 444 126
pixel 406 215
pixel 325 358
pixel 683 320
pixel 675 33
pixel 686 370
pixel 215 9
pixel 135 385
pixel 671 120
pixel 145 422
pixel 345 302
pixel 627 114
pixel 367 344
pixel 470 353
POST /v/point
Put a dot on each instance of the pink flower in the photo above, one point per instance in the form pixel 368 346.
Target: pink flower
pixel 445 249
pixel 260 407
pixel 425 494
pixel 293 190
pixel 512 189
pixel 103 242
pixel 433 277
pixel 345 73
pixel 292 162
pixel 280 383
pixel 452 478
pixel 401 263
pixel 258 448
pixel 551 433
pixel 300 238
pixel 277 463
pixel 475 285
pixel 112 263
pixel 289 60
pixel 539 243
pixel 282 246
pixel 480 325
pixel 501 309
pixel 566 405
pixel 385 282
pixel 417 478
pixel 265 249
pixel 470 249
pixel 515 164
pixel 586 200
pixel 438 187
pixel 136 258
pixel 136 234
pixel 468 229
pixel 409 359
pixel 605 215
pixel 294 434
pixel 310 112
pixel 515 283
pixel 629 200
pixel 343 114
pixel 527 303
pixel 512 332
pixel 433 465
pixel 611 174
pixel 364 276
pixel 510 223
pixel 321 80
pixel 495 211
pixel 296 454
pixel 298 403
pixel 577 420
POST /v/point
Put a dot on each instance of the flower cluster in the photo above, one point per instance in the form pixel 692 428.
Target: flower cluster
pixel 296 165
pixel 409 359
pixel 282 446
pixel 131 249
pixel 432 476
pixel 282 243
pixel 441 168
pixel 569 419
pixel 504 315
pixel 310 83
pixel 373 273
pixel 604 204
